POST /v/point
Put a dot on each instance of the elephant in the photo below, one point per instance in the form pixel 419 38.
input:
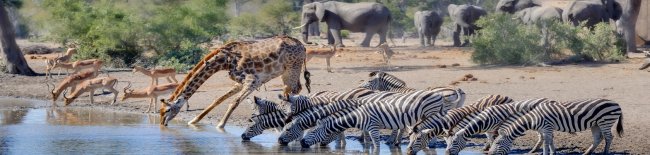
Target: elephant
pixel 533 14
pixel 464 16
pixel 591 12
pixel 529 11
pixel 368 17
pixel 427 24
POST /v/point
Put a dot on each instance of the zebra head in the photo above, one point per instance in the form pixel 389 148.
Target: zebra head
pixel 382 81
pixel 456 142
pixel 292 131
pixel 252 131
pixel 501 145
pixel 417 139
pixel 319 134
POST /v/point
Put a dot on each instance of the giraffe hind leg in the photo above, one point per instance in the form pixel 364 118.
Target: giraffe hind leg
pixel 249 87
pixel 236 88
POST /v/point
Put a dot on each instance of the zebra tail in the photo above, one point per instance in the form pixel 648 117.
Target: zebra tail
pixel 619 127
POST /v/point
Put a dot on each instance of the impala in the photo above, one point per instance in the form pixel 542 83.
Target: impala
pixel 61 58
pixel 70 81
pixel 168 73
pixel 326 53
pixel 90 86
pixel 152 92
pixel 93 64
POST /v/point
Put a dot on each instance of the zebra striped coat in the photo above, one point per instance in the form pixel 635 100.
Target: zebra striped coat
pixel 436 125
pixel 396 113
pixel 268 116
pixel 308 119
pixel 488 121
pixel 299 103
pixel 599 115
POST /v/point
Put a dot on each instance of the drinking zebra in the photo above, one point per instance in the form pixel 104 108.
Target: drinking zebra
pixel 488 121
pixel 383 81
pixel 307 119
pixel 268 116
pixel 574 116
pixel 427 130
pixel 395 113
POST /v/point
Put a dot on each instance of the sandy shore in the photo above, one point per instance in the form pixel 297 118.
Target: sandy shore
pixel 420 68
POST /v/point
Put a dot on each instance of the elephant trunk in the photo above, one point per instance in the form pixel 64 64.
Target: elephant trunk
pixel 305 32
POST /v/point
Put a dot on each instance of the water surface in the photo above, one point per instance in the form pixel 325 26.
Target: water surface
pixel 68 130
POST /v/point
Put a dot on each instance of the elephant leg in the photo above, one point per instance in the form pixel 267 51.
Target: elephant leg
pixel 429 40
pixel 336 34
pixel 422 43
pixel 456 36
pixel 382 36
pixel 330 37
pixel 366 40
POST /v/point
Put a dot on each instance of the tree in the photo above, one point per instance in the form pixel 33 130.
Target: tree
pixel 14 60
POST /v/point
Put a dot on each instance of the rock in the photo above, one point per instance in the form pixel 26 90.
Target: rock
pixel 469 75
pixel 442 66
pixel 37 49
pixel 455 65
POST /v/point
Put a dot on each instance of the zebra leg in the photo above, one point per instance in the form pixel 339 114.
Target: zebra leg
pixel 374 135
pixel 548 141
pixel 595 133
pixel 538 144
pixel 491 135
pixel 395 138
pixel 608 139
pixel 341 139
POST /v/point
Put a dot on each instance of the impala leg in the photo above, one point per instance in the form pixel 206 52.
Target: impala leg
pixel 169 80
pixel 329 69
pixel 92 94
pixel 236 88
pixel 115 93
pixel 249 87
pixel 151 99
pixel 155 103
pixel 174 79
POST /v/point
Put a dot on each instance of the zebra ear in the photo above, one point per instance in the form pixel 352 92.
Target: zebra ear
pixel 319 122
pixel 283 98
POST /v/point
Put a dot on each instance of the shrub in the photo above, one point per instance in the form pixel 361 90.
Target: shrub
pixel 345 33
pixel 502 41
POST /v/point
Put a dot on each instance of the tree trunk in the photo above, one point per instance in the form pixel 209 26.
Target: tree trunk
pixel 13 58
pixel 627 23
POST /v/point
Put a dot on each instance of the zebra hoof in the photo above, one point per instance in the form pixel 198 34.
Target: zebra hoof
pixel 283 143
pixel 245 139
pixel 304 145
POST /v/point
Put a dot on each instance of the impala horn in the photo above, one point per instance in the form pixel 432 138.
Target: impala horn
pixel 127 87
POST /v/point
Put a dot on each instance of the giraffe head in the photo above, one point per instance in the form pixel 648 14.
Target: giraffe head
pixel 169 110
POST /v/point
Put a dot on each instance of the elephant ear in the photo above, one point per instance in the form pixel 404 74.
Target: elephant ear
pixel 617 12
pixel 320 11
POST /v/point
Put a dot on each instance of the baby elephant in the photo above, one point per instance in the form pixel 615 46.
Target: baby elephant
pixel 428 25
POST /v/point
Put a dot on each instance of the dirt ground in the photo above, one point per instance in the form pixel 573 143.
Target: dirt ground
pixel 420 68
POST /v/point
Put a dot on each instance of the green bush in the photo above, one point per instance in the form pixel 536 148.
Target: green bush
pixel 119 31
pixel 183 59
pixel 345 33
pixel 502 41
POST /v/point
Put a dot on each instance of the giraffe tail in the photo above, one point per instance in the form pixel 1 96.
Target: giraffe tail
pixel 306 75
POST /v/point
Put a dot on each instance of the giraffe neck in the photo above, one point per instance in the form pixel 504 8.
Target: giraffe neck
pixel 201 72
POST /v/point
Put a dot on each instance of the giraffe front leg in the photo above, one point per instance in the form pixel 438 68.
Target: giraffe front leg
pixel 248 87
pixel 236 88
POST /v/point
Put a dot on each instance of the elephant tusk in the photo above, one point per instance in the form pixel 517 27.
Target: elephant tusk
pixel 300 26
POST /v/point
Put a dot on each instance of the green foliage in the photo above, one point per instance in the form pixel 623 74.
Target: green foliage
pixel 182 60
pixel 118 32
pixel 503 41
pixel 401 22
pixel 345 33
pixel 274 18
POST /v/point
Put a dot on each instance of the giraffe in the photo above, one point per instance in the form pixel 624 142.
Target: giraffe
pixel 250 64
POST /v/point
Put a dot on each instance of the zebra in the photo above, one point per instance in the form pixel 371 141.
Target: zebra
pixel 299 103
pixel 573 116
pixel 307 119
pixel 382 81
pixel 269 116
pixel 395 113
pixel 456 118
pixel 488 121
